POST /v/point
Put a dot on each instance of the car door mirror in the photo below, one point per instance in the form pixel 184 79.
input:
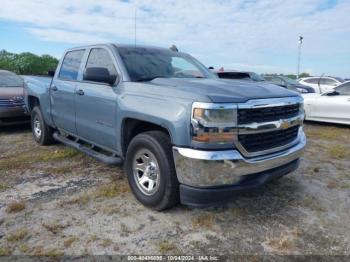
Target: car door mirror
pixel 100 75
pixel 332 93
pixel 51 73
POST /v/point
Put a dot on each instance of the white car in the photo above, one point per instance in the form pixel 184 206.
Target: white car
pixel 321 84
pixel 333 107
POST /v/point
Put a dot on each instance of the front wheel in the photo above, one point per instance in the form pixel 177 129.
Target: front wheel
pixel 151 171
pixel 42 133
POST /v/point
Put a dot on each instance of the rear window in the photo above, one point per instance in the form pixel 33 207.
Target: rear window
pixel 71 64
pixel 8 79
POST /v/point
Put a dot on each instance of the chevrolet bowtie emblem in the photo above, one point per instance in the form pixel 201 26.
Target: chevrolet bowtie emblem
pixel 285 124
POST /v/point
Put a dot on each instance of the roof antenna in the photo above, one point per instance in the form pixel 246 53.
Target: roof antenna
pixel 135 16
pixel 174 48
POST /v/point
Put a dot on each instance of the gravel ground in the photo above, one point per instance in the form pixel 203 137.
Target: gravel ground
pixel 55 201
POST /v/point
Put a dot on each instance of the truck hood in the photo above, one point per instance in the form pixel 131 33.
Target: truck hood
pixel 10 92
pixel 225 91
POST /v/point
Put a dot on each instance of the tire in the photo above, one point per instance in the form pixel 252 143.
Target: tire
pixel 42 133
pixel 165 192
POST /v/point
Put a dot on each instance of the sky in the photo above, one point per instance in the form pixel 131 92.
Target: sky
pixel 254 35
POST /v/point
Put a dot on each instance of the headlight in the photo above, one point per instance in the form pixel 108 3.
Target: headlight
pixel 213 123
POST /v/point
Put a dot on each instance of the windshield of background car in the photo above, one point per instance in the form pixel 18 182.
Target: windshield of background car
pixel 10 80
pixel 145 64
pixel 290 81
pixel 257 77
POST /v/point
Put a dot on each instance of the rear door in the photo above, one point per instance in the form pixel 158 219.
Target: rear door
pixel 96 103
pixel 62 91
pixel 327 84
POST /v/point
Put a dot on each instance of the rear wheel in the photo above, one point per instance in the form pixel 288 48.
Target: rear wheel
pixel 151 171
pixel 42 133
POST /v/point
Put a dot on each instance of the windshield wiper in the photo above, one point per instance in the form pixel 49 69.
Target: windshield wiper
pixel 144 79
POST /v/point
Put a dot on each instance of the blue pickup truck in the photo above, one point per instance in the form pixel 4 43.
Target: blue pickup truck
pixel 183 134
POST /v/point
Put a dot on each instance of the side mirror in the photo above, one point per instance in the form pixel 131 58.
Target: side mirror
pixel 51 73
pixel 100 75
pixel 211 68
pixel 332 93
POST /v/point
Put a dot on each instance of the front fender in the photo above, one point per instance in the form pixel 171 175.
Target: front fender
pixel 172 114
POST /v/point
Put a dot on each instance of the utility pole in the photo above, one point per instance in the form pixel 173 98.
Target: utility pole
pixel 299 54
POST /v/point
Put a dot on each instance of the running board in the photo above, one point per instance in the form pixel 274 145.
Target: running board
pixel 109 160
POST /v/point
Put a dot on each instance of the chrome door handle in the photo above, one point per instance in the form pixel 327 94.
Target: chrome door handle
pixel 80 92
pixel 54 88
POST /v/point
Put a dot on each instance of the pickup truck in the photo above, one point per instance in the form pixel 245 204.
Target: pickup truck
pixel 183 134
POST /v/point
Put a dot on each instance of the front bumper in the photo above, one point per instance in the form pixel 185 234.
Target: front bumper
pixel 13 115
pixel 212 169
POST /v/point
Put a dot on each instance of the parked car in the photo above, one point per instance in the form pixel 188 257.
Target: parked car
pixel 321 84
pixel 288 83
pixel 333 107
pixel 11 99
pixel 184 134
pixel 240 75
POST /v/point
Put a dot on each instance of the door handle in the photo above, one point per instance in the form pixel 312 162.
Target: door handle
pixel 54 88
pixel 80 92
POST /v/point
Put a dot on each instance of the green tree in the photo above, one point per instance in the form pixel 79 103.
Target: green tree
pixel 27 63
pixel 304 74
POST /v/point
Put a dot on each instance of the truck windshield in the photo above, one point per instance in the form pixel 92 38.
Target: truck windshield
pixel 146 64
pixel 8 79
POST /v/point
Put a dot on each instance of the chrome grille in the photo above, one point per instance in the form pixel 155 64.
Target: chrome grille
pixel 266 114
pixel 11 103
pixel 267 126
pixel 267 140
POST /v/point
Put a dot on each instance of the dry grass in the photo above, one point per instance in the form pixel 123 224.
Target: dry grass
pixel 5 251
pixel 40 252
pixel 26 159
pixel 3 187
pixel 69 241
pixel 338 152
pixel 105 191
pixel 18 235
pixel 54 226
pixel 66 152
pixel 282 243
pixel 111 190
pixel 24 248
pixel 204 221
pixel 106 242
pixel 332 184
pixel 15 206
pixel 325 133
pixel 166 246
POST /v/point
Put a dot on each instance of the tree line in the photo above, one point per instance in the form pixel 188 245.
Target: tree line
pixel 27 63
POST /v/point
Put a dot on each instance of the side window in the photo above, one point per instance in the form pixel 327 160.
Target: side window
pixel 71 64
pixel 100 57
pixel 344 89
pixel 312 80
pixel 328 81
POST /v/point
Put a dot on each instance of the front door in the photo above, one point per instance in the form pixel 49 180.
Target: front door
pixel 96 104
pixel 334 107
pixel 62 91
